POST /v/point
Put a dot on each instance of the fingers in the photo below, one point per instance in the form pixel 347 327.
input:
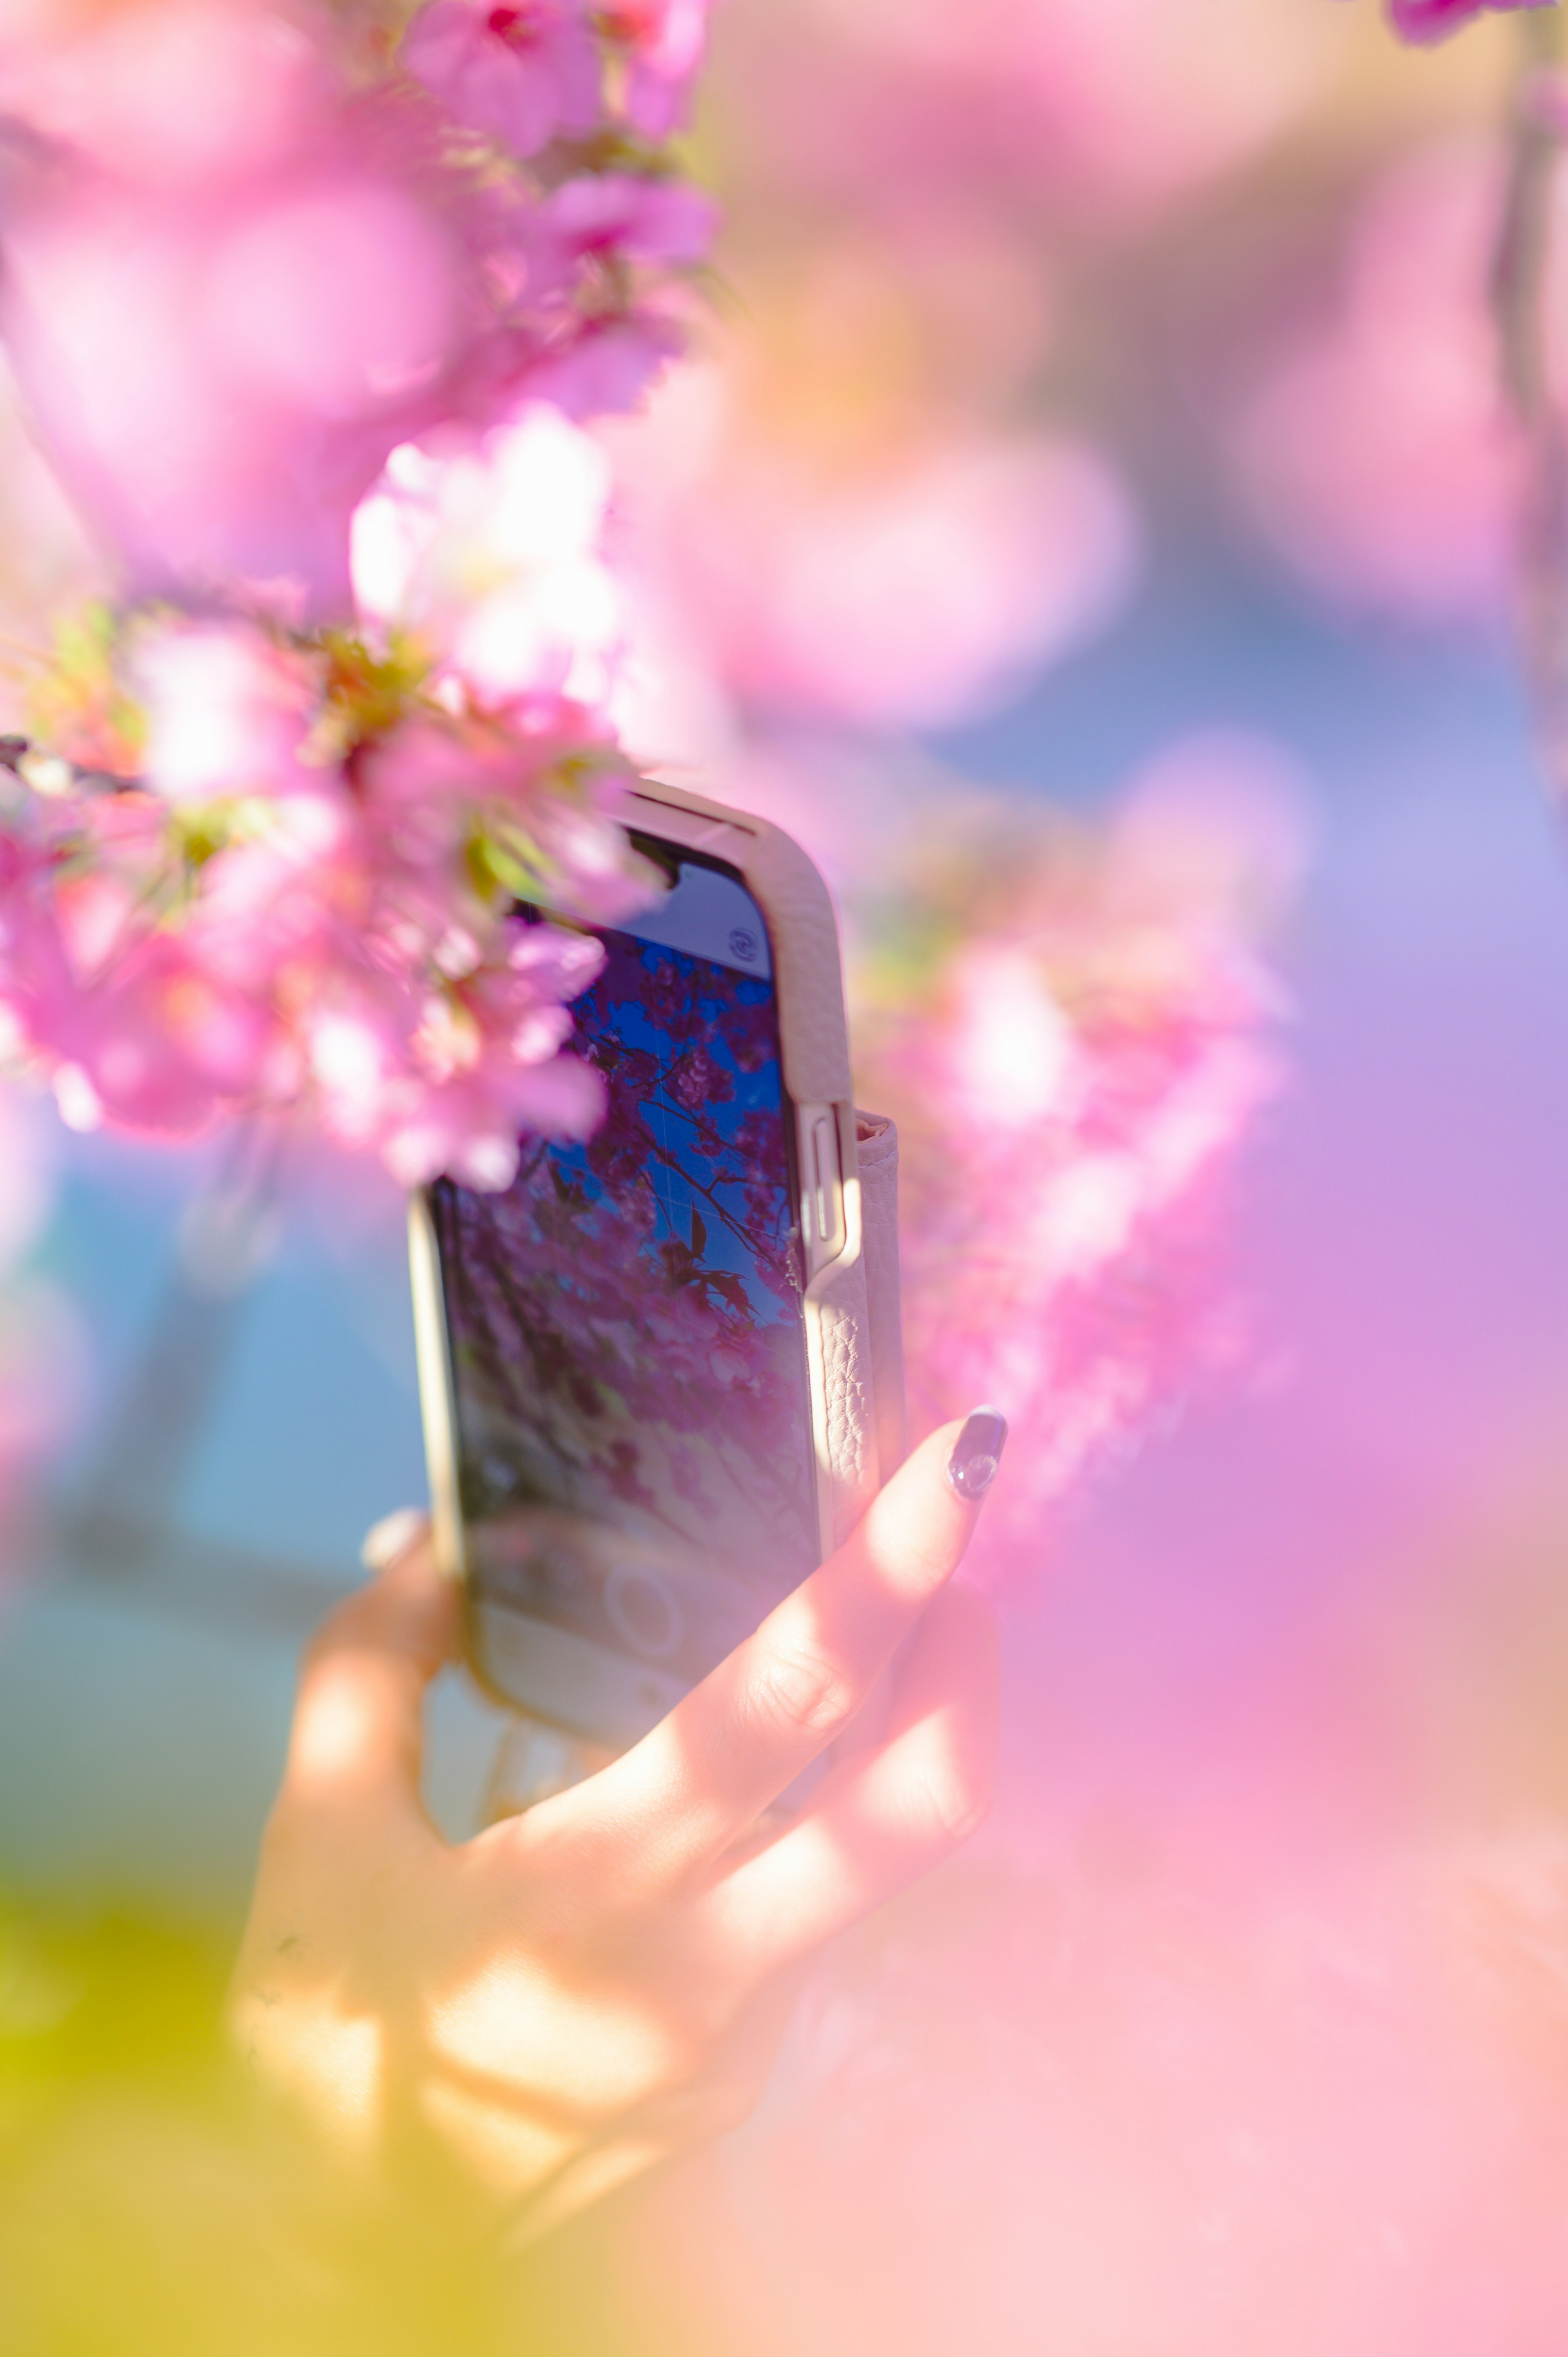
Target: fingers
pixel 706 1774
pixel 882 1821
pixel 357 1720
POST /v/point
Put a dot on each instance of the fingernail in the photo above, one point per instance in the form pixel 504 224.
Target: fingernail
pixel 977 1452
pixel 386 1540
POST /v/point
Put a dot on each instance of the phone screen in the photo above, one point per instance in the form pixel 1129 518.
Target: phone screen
pixel 634 1434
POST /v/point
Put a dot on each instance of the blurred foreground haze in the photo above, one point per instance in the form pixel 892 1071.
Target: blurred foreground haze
pixel 1089 387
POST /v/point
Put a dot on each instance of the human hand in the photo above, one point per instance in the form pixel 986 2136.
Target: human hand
pixel 582 1990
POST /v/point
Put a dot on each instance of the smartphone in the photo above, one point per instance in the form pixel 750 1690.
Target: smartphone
pixel 636 1436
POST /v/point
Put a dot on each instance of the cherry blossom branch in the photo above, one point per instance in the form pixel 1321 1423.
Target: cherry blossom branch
pixel 1522 284
pixel 260 845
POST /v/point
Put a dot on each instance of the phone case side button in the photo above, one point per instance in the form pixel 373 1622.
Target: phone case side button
pixel 827 1187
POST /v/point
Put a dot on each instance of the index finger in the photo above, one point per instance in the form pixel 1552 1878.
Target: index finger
pixel 706 1772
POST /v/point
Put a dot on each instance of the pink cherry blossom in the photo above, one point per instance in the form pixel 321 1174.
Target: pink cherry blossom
pixel 220 382
pixel 219 385
pixel 496 556
pixel 661 43
pixel 446 1083
pixel 1434 20
pixel 1073 1070
pixel 543 780
pixel 608 365
pixel 607 245
pixel 228 710
pixel 306 905
pixel 522 72
pixel 630 216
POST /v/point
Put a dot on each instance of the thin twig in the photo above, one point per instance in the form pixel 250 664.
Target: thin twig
pixel 1520 294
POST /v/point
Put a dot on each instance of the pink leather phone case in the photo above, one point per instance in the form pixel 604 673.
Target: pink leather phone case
pixel 853 1335
pixel 877 1139
pixel 853 1338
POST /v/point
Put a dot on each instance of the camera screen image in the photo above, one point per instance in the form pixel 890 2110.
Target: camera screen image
pixel 634 1430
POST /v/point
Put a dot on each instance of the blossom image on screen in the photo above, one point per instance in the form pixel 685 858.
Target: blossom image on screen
pixel 625 1320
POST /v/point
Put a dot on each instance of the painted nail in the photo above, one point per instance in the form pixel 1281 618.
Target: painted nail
pixel 977 1452
pixel 389 1538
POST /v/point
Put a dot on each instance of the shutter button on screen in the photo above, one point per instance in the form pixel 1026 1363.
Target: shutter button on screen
pixel 642 1610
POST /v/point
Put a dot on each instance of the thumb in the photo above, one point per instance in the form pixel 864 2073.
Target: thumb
pixel 358 1722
